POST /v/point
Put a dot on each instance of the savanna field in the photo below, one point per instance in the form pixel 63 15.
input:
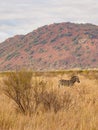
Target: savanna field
pixel 33 101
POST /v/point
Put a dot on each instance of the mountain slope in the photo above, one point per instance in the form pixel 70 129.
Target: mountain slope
pixel 55 46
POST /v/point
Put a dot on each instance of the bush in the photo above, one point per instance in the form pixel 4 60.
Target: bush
pixel 18 88
pixel 29 93
pixel 12 55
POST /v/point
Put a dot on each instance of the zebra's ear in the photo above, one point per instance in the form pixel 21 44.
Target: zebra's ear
pixel 74 77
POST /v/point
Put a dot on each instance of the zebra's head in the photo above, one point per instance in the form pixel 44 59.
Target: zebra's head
pixel 75 79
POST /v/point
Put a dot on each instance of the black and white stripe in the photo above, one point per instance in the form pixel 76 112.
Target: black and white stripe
pixel 70 82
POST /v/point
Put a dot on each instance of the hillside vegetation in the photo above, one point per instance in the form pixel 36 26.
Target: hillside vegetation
pixel 52 47
pixel 33 101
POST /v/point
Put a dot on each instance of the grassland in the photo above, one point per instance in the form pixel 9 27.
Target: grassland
pixel 66 108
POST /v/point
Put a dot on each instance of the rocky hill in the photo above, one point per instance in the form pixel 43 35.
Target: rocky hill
pixel 52 47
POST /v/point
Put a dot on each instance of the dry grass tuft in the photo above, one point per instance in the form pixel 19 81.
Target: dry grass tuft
pixel 46 106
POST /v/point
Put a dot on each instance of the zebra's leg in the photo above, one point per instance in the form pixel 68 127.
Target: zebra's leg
pixel 59 85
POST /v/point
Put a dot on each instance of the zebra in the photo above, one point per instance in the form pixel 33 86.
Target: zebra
pixel 69 82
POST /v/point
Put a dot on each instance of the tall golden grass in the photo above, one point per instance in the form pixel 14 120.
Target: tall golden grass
pixel 65 108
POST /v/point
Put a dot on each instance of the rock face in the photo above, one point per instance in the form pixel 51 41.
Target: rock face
pixel 52 47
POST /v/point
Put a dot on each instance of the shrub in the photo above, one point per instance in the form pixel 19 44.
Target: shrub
pixel 43 42
pixel 94 60
pixel 29 93
pixel 50 101
pixel 68 34
pixel 41 50
pixel 12 55
pixel 24 91
pixel 54 39
pixel 17 87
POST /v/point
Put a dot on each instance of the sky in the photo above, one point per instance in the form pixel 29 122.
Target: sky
pixel 23 16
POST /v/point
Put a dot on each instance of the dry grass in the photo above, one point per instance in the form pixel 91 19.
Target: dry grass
pixel 62 108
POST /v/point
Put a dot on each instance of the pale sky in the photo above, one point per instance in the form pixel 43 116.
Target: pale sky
pixel 24 16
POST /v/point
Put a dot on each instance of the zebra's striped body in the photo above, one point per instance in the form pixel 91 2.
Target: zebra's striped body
pixel 70 82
